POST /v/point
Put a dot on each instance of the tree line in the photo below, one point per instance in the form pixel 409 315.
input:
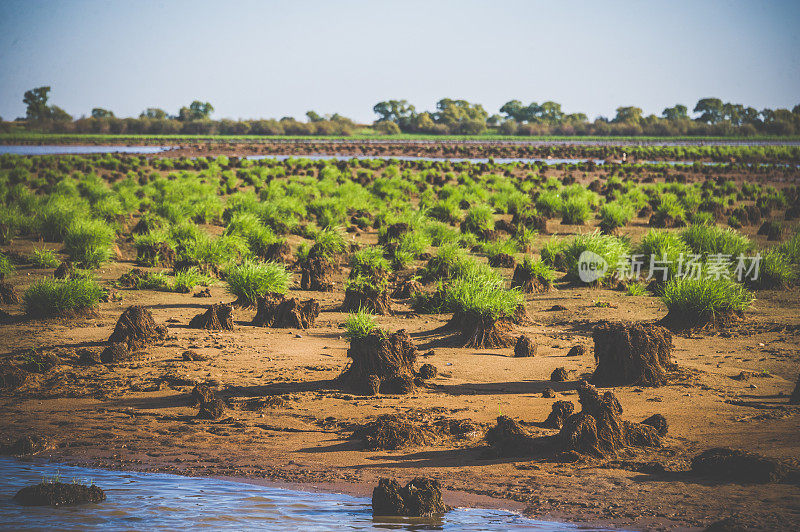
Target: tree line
pixel 712 117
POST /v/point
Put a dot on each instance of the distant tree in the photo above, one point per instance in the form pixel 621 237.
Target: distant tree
pixel 678 112
pixel 154 113
pixel 398 111
pixel 710 109
pixel 387 128
pixel 196 111
pixel 513 110
pixel 628 115
pixel 795 109
pixel 314 117
pixel 57 114
pixel 551 113
pixel 99 112
pixel 461 116
pixel 494 120
pixel 36 100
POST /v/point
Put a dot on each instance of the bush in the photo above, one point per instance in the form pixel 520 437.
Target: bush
pixel 44 258
pixel 705 300
pixel 359 324
pixel 50 297
pixel 88 242
pixel 249 280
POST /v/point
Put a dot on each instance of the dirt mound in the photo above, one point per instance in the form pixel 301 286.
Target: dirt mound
pixel 375 300
pixel 658 422
pixel 394 232
pixel 8 294
pixel 722 463
pixel 156 254
pixel 26 445
pixel 115 353
pixel 529 284
pixel 772 230
pixel 316 275
pixel 137 329
pixel 794 399
pixel 201 394
pixel 278 312
pixel 559 414
pixel 422 497
pixel 390 359
pixel 631 354
pixel 482 331
pixel 132 279
pixel 219 316
pixel 11 375
pixel 406 288
pixel 427 372
pixel 278 252
pixel 213 409
pixel 577 351
pixel 664 220
pixel 63 271
pixel 58 494
pixel 598 429
pixel 390 432
pixel 559 375
pixel 525 347
pixel 729 524
pixel 508 438
pixel 502 260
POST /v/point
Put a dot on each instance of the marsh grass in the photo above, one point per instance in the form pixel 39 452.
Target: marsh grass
pixel 369 261
pixel 44 258
pixel 575 211
pixel 359 324
pixel 249 280
pixel 698 302
pixel 51 297
pixel 612 249
pixel 88 242
pixel 712 239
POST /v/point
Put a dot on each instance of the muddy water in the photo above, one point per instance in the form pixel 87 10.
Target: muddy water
pixel 152 501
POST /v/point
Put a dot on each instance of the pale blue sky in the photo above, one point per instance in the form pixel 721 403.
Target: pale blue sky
pixel 254 59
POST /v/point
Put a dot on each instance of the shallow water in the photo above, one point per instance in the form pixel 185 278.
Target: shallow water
pixel 80 150
pixel 154 501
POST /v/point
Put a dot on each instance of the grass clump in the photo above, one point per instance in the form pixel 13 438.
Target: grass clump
pixel 6 267
pixel 369 262
pixel 52 297
pixel 774 271
pixel 249 280
pixel 44 258
pixel 359 324
pixel 700 302
pixel 614 215
pixel 575 211
pixel 664 247
pixel 88 242
pixel 479 219
pixel 328 244
pixel 711 240
pixel 636 289
pixel 612 249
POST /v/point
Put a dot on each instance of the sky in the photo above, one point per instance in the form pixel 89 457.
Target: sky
pixel 269 59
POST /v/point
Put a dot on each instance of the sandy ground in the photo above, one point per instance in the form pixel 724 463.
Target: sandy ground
pixel 288 424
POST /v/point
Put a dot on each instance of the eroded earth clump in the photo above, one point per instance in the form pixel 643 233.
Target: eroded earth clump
pixel 280 312
pixel 482 331
pixel 316 275
pixel 385 360
pixel 736 465
pixel 58 494
pixel 421 497
pixel 218 317
pixel 631 354
pixel 137 329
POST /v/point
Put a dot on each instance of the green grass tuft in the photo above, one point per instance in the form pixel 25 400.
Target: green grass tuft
pixel 51 297
pixel 251 279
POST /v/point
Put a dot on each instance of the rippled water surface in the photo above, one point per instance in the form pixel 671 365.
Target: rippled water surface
pixel 152 501
pixel 79 150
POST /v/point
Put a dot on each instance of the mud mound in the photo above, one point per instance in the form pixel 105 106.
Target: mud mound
pixel 658 422
pixel 421 497
pixel 508 438
pixel 316 275
pixel 5 317
pixel 58 494
pixel 201 394
pixel 576 351
pixel 559 414
pixel 26 445
pixel 156 254
pixel 390 432
pixel 729 524
pixel 722 463
pixel 376 301
pixel 137 329
pixel 529 284
pixel 406 288
pixel 794 399
pixel 63 271
pixel 213 409
pixel 8 294
pixel 502 260
pixel 598 429
pixel 390 359
pixel 559 375
pixel 525 347
pixel 479 331
pixel 663 220
pixel 11 375
pixel 631 354
pixel 218 317
pixel 278 252
pixel 132 279
pixel 278 312
pixel 427 372
pixel 394 232
pixel 115 353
